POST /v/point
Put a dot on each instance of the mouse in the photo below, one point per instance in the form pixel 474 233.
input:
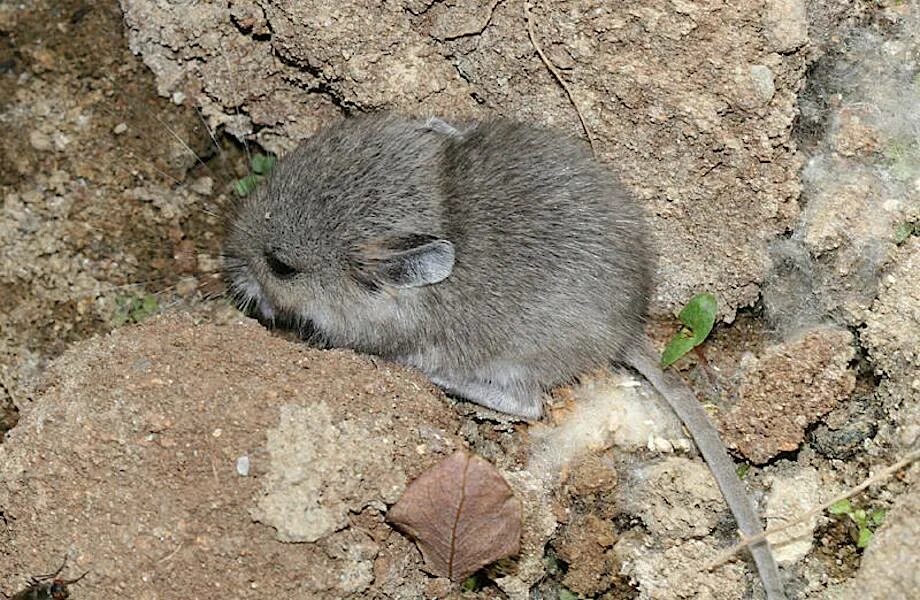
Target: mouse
pixel 500 259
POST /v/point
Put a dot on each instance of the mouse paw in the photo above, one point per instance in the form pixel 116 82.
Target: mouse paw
pixel 516 399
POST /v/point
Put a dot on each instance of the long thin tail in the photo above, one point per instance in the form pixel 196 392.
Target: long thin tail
pixel 706 437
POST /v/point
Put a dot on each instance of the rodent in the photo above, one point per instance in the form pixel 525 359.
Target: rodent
pixel 498 258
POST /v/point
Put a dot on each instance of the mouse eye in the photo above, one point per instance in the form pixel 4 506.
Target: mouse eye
pixel 278 267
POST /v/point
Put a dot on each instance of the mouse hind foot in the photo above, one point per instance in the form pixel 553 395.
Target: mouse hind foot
pixel 512 397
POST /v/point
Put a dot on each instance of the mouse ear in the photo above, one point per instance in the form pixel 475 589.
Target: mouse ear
pixel 405 261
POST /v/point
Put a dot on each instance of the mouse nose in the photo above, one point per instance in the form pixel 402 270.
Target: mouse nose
pixel 278 267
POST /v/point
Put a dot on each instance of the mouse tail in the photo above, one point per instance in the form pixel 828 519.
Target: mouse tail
pixel 683 402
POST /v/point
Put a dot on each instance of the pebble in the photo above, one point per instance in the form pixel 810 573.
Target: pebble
pixel 40 141
pixel 120 128
pixel 203 186
pixel 764 86
pixel 242 466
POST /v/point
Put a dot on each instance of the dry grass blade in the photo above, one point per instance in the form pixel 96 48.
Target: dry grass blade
pixel 878 477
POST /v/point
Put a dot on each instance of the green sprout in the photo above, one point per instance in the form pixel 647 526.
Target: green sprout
pixel 905 230
pixel 903 156
pixel 134 309
pixel 742 470
pixel 698 317
pixel 261 166
pixel 865 522
pixel 567 594
pixel 474 582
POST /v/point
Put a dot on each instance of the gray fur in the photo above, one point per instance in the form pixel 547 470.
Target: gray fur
pixel 550 265
pixel 499 259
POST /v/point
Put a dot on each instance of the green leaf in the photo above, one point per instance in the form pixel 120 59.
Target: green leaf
pixel 698 317
pixel 904 231
pixel 244 186
pixel 567 594
pixel 262 164
pixel 877 517
pixel 865 536
pixel 859 517
pixel 742 470
pixel 134 309
pixel 841 507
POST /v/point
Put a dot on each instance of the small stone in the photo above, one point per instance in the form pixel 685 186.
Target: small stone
pixel 187 286
pixel 120 128
pixel 790 386
pixel 40 141
pixel 203 186
pixel 178 98
pixel 242 466
pixel 785 21
pixel 764 86
pixel 791 496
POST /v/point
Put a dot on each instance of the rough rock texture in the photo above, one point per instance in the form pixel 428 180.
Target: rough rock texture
pixel 684 516
pixel 789 496
pixel 685 577
pixel 859 115
pixel 130 460
pixel 693 103
pixel 587 546
pixel 786 389
pixel 892 336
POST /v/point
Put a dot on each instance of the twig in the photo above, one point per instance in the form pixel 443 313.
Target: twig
pixel 880 476
pixel 528 18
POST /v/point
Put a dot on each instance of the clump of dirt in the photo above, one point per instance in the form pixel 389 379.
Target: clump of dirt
pixel 167 470
pixel 88 170
pixel 784 391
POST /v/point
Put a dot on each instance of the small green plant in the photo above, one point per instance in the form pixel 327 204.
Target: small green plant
pixel 903 155
pixel 474 582
pixel 742 470
pixel 567 594
pixel 261 166
pixel 864 522
pixel 134 309
pixel 698 317
pixel 905 230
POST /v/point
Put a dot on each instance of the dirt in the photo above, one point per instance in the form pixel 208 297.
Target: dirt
pixel 81 225
pixel 157 409
pixel 113 188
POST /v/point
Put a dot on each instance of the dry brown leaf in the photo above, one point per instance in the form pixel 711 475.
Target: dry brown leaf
pixel 462 515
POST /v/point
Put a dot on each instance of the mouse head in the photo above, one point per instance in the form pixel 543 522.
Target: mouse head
pixel 346 231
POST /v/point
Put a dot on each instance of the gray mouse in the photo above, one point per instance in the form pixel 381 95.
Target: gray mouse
pixel 499 259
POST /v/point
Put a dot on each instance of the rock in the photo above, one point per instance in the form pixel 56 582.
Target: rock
pixel 40 140
pixel 893 327
pixel 683 563
pixel 764 85
pixel 587 546
pixel 790 496
pixel 679 499
pixel 652 83
pixel 787 24
pixel 787 389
